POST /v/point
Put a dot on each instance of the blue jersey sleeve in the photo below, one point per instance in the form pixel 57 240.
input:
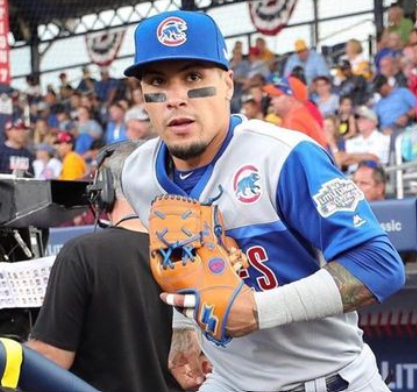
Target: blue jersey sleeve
pixel 318 203
pixel 377 265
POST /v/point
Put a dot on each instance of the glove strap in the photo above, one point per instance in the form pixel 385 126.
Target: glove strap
pixel 224 339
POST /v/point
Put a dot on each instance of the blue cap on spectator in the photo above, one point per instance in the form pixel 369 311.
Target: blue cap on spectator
pixel 178 35
pixel 45 147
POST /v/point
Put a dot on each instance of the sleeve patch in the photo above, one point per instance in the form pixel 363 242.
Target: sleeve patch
pixel 337 195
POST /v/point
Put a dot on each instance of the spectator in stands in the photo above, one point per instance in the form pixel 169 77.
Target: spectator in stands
pixel 87 125
pixel 382 49
pixel 73 165
pixel 87 83
pixel 292 110
pixel 33 89
pixel 371 179
pixel 106 87
pixel 251 108
pixel 395 44
pixel 336 144
pixel 389 67
pixel 352 85
pixel 256 66
pixel 298 72
pixel 74 104
pixel 412 38
pixel 46 166
pixel 91 102
pixel 396 108
pixel 86 131
pixel 138 125
pixel 64 122
pixel 409 70
pixel 43 133
pixel 137 98
pixel 303 95
pixel 116 128
pixel 346 122
pixel 327 102
pixel 370 143
pixel 240 68
pixel 358 63
pixel 102 317
pixel 398 23
pixel 15 158
pixel 265 54
pixel 64 87
pixel 312 62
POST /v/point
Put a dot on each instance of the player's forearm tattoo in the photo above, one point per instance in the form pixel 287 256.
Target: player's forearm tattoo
pixel 183 342
pixel 353 292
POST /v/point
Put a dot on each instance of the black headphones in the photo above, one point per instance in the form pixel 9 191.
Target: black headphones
pixel 101 193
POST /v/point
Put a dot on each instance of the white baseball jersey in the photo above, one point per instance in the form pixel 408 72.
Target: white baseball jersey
pixel 286 204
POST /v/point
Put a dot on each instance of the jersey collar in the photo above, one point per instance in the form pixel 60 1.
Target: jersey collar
pixel 163 156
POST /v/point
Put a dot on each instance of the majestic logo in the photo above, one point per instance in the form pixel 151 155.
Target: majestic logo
pixel 216 265
pixel 336 196
pixel 171 31
pixel 246 184
pixel 358 221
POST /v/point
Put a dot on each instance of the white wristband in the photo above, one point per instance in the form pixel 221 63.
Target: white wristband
pixel 311 298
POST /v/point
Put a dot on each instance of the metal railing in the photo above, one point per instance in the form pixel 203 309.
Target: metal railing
pixel 401 173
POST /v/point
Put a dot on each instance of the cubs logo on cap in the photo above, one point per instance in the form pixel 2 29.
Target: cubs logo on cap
pixel 178 35
pixel 171 31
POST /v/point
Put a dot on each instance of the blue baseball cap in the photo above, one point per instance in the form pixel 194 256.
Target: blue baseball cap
pixel 178 35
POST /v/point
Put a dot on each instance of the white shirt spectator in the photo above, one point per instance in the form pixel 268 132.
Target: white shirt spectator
pixel 376 143
pixel 49 170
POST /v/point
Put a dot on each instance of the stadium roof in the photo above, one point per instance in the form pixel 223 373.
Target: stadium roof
pixel 43 11
pixel 26 15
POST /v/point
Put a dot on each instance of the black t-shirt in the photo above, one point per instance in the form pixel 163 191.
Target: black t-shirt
pixel 103 303
pixel 15 159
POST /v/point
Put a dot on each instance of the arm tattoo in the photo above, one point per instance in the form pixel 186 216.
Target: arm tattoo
pixel 353 292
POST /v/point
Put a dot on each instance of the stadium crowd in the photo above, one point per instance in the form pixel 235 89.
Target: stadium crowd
pixel 353 107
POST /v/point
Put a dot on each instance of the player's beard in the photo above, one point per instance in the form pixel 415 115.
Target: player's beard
pixel 188 152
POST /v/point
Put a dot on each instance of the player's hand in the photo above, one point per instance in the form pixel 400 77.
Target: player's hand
pixel 186 362
pixel 242 318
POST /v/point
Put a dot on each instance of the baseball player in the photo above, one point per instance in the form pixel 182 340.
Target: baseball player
pixel 315 249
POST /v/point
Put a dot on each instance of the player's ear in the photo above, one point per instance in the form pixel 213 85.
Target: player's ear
pixel 228 76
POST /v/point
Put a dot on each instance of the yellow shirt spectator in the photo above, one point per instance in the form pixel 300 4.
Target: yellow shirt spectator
pixel 73 167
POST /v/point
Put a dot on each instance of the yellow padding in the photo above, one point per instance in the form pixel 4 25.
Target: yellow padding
pixel 14 358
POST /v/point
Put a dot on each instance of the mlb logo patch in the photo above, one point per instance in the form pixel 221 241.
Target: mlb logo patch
pixel 171 31
pixel 246 184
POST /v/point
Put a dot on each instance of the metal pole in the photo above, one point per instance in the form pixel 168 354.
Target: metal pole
pixel 315 34
pixel 188 5
pixel 35 55
pixel 379 15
